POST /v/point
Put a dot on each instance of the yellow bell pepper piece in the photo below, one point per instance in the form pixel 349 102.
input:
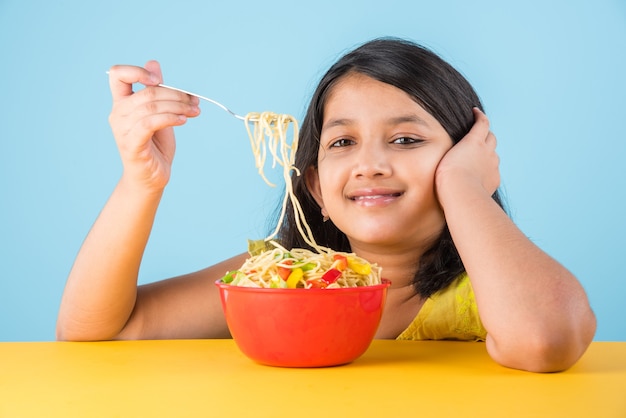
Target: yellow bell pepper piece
pixel 294 278
pixel 359 268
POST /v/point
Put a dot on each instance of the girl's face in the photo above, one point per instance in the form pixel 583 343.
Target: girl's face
pixel 378 154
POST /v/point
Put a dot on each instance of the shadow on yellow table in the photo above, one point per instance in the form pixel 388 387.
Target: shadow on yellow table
pixel 180 378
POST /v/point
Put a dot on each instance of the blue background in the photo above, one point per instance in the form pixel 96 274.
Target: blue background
pixel 551 75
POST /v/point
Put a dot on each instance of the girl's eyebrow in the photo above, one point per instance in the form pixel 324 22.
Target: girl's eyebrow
pixel 409 118
pixel 396 120
pixel 337 122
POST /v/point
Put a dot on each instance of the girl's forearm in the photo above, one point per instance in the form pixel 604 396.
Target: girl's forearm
pixel 102 286
pixel 535 311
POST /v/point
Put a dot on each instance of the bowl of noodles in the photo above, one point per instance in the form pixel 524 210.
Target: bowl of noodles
pixel 298 308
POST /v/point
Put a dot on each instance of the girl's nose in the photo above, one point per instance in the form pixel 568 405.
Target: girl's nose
pixel 372 160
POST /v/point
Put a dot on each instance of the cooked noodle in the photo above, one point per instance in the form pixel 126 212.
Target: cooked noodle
pixel 263 269
pixel 269 134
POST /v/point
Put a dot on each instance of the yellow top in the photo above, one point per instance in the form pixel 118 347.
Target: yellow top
pixel 450 314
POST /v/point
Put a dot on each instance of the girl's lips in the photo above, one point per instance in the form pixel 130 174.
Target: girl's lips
pixel 374 197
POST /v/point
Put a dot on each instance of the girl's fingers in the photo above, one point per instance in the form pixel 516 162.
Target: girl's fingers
pixel 147 126
pixel 122 77
pixel 150 117
pixel 154 68
pixel 135 134
pixel 480 129
pixel 153 108
pixel 141 109
pixel 156 94
pixel 491 139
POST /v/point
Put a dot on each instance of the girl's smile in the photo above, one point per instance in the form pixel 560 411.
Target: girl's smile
pixel 374 197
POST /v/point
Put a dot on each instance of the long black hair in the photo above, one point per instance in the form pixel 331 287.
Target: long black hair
pixel 436 86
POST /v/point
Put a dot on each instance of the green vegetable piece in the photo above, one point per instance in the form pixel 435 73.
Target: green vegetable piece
pixel 229 277
pixel 256 247
pixel 278 283
pixel 308 266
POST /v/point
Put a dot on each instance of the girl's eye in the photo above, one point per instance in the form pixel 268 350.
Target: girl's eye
pixel 406 140
pixel 343 142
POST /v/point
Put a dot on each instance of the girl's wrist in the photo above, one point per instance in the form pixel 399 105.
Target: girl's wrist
pixel 140 189
pixel 451 192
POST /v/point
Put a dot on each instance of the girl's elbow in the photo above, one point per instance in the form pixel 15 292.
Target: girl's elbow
pixel 68 330
pixel 549 356
pixel 64 332
pixel 69 334
pixel 545 353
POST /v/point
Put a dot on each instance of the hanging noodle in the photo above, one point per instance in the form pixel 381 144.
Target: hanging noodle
pixel 295 268
pixel 269 133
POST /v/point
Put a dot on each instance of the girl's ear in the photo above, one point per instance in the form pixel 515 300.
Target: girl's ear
pixel 312 181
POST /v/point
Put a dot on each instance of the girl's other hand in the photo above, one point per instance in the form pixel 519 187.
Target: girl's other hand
pixel 142 123
pixel 471 164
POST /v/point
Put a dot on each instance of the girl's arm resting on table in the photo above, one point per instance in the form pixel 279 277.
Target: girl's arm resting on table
pixel 102 301
pixel 536 313
pixel 188 306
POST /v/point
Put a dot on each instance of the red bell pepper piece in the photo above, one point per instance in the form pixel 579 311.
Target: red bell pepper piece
pixel 331 276
pixel 316 283
pixel 284 272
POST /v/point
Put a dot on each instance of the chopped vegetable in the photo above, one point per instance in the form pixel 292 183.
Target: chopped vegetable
pixel 360 268
pixel 316 284
pixel 283 271
pixel 341 262
pixel 256 247
pixel 278 283
pixel 308 266
pixel 294 278
pixel 230 276
pixel 278 268
pixel 331 276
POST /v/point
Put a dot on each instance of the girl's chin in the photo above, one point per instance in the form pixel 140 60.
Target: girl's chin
pixel 375 236
pixel 390 235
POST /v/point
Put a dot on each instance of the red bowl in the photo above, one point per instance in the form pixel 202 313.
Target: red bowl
pixel 303 327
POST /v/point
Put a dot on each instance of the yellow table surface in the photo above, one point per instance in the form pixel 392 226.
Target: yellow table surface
pixel 212 378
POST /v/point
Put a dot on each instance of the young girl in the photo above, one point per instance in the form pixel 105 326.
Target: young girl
pixel 398 165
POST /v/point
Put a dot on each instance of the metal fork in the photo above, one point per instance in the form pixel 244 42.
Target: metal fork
pixel 204 98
